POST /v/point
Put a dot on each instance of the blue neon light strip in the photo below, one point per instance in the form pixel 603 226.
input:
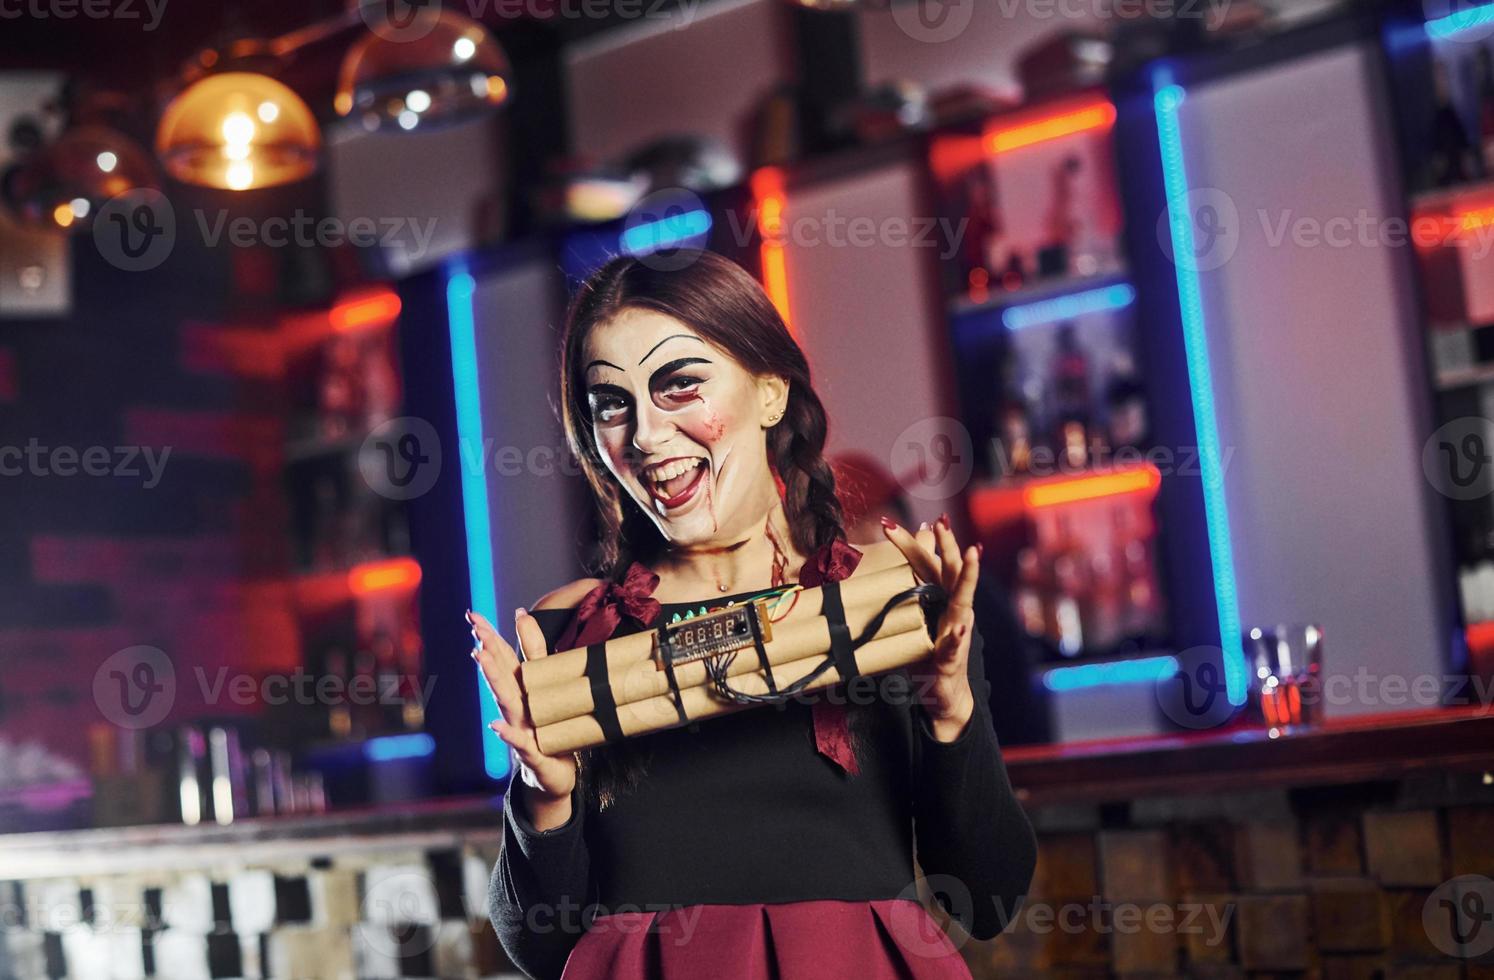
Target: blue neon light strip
pixel 460 317
pixel 1201 383
pixel 390 747
pixel 677 229
pixel 1143 670
pixel 1043 311
pixel 1444 28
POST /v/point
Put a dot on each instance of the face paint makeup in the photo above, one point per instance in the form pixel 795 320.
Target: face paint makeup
pixel 668 411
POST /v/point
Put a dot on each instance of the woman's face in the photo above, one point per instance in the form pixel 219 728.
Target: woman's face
pixel 681 426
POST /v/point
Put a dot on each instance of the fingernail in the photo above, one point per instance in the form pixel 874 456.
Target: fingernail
pixel 473 653
pixel 468 616
pixel 888 523
pixel 923 526
pixel 980 549
pixel 944 519
pixel 521 611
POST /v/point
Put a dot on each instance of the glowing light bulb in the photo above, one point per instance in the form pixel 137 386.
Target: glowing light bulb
pixel 239 176
pixel 268 112
pixel 464 48
pixel 418 100
pixel 80 207
pixel 107 161
pixel 408 120
pixel 238 128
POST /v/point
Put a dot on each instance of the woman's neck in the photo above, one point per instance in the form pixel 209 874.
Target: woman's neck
pixel 760 559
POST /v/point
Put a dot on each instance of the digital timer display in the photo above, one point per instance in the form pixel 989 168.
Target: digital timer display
pixel 724 631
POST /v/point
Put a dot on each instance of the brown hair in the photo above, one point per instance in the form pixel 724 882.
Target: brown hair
pixel 721 302
pixel 725 305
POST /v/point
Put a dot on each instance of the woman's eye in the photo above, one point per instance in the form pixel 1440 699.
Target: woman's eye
pixel 680 383
pixel 607 408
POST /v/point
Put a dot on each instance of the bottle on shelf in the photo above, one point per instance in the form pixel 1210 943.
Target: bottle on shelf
pixel 1486 108
pixel 1451 151
pixel 1125 405
pixel 1071 398
pixel 1030 597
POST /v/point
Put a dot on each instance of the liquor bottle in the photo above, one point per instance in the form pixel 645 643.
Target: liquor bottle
pixel 1031 606
pixel 1071 590
pixel 1125 405
pixel 1486 107
pixel 1450 147
pixel 1071 398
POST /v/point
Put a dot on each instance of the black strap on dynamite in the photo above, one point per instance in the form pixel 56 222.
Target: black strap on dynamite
pixel 674 689
pixel 604 706
pixel 842 654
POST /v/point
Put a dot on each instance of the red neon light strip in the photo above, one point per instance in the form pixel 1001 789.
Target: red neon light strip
pixel 1051 126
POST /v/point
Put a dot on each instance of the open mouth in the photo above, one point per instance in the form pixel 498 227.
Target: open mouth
pixel 674 481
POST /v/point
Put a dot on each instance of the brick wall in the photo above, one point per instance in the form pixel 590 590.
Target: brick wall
pixel 1341 883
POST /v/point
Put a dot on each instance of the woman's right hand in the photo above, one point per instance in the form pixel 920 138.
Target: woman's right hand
pixel 551 777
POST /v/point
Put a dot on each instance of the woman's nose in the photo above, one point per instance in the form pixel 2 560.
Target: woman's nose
pixel 651 429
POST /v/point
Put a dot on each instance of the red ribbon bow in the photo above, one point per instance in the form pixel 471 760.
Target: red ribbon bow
pixel 604 607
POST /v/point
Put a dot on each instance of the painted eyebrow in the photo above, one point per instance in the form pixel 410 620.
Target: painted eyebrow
pixel 600 363
pixel 687 336
pixel 674 365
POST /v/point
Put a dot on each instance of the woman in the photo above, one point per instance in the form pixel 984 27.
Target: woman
pixel 773 842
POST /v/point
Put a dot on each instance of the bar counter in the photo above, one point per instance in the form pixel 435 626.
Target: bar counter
pixel 1315 853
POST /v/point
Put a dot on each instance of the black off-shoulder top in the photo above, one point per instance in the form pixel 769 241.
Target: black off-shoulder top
pixel 743 809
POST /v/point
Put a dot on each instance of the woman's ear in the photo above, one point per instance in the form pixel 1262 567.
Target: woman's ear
pixel 773 392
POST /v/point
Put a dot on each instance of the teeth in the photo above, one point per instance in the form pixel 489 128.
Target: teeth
pixel 669 471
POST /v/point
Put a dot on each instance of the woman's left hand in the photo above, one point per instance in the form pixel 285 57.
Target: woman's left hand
pixel 936 557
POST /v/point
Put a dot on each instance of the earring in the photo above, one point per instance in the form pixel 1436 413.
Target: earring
pixel 774 419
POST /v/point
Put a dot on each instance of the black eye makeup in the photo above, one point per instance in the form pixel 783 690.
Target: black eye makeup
pixel 670 385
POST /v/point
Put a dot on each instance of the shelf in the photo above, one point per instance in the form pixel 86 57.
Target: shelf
pixel 1445 198
pixel 1038 292
pixel 1465 377
pixel 1000 503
